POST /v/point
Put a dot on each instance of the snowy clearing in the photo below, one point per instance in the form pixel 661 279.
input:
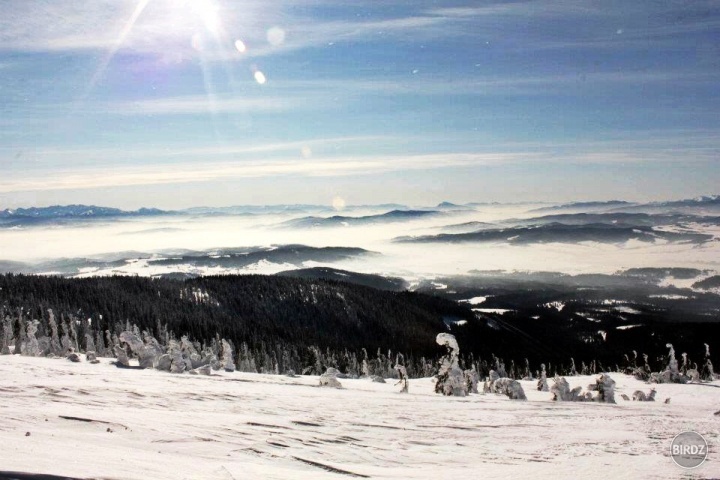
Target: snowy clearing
pixel 95 421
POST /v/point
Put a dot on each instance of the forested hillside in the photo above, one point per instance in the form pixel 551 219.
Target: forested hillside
pixel 279 323
pixel 268 314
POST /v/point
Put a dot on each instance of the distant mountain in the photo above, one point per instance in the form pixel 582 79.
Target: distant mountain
pixel 654 274
pixel 709 283
pixel 616 218
pixel 706 205
pixel 57 211
pixel 187 263
pixel 693 202
pixel 345 221
pixel 561 233
pixel 453 207
pixel 467 227
pixel 585 206
pixel 290 254
pixel 39 215
pixel 380 282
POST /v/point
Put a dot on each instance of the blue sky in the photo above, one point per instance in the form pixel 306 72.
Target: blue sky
pixel 174 103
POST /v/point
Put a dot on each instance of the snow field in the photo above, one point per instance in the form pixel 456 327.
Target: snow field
pixel 151 424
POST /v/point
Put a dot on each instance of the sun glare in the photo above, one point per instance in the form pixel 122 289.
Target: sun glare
pixel 208 11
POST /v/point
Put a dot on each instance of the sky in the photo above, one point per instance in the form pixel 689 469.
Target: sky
pixel 179 103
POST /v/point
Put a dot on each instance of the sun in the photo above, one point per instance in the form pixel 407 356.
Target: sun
pixel 208 12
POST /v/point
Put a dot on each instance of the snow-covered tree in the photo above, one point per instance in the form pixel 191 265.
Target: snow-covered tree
pixel 22 333
pixel 121 356
pixel 55 347
pixel 402 373
pixel 7 335
pixel 563 393
pixel 527 375
pixel 31 348
pixel 471 380
pixel 708 373
pixel 74 343
pixel 100 343
pixel 89 342
pixel 91 357
pixel 227 356
pixel 65 341
pixel 146 356
pixel 605 386
pixel 641 396
pixel 508 386
pixel 573 370
pixel 329 378
pixel 450 379
pixel 542 384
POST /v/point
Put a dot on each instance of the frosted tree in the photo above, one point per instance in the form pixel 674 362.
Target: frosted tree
pixel 100 344
pixel 693 374
pixel 527 375
pixel 561 391
pixel 152 344
pixel 450 379
pixel 500 367
pixel 329 378
pixel 109 341
pixel 227 356
pixel 22 333
pixel 7 335
pixel 31 347
pixel 121 356
pixel 146 356
pixel 365 364
pixel 89 342
pixel 287 363
pixel 173 360
pixel 671 374
pixel 471 380
pixel 641 396
pixel 542 384
pixel 708 373
pixel 65 342
pixel 246 362
pixel 55 347
pixel 91 357
pixel 672 361
pixel 605 386
pixel 509 387
pixel 402 373
pixel 573 370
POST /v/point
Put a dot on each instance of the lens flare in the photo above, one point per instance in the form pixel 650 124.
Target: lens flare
pixel 338 203
pixel 275 36
pixel 240 46
pixel 260 77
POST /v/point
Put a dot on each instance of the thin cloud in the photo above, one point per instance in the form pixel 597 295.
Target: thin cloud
pixel 205 172
pixel 200 171
pixel 199 104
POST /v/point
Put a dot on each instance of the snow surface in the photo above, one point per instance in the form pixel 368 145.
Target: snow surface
pixel 475 300
pixel 498 311
pixel 151 424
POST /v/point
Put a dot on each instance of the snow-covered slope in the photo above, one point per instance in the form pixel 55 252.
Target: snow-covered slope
pixel 98 421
